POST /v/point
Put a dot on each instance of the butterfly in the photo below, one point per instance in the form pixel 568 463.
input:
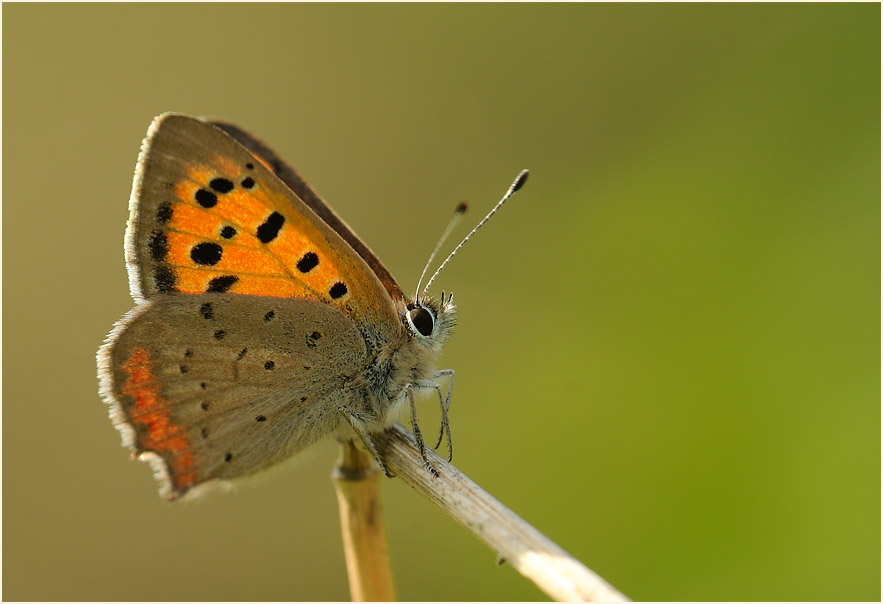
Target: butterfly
pixel 262 322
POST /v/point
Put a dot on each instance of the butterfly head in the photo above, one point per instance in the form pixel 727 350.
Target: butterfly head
pixel 430 321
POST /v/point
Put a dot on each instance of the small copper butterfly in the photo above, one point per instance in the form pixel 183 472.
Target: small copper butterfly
pixel 262 322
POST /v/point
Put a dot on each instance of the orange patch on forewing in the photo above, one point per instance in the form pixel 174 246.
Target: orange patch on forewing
pixel 247 208
pixel 200 174
pixel 163 436
pixel 197 281
pixel 247 261
pixel 269 269
pixel 186 190
pixel 271 287
pixel 293 246
pixel 193 280
pixel 183 251
pixel 188 218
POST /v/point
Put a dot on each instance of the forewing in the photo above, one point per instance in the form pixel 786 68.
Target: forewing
pixel 305 192
pixel 209 216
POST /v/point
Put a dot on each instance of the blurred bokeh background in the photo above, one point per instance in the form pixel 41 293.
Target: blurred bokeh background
pixel 668 358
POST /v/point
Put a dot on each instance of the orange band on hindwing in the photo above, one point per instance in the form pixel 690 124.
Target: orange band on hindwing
pixel 163 436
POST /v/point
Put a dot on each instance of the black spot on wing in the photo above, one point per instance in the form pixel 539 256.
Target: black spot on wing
pixel 312 339
pixel 164 279
pixel 164 212
pixel 268 231
pixel 206 253
pixel 338 290
pixel 222 284
pixel 221 185
pixel 308 262
pixel 206 199
pixel 159 245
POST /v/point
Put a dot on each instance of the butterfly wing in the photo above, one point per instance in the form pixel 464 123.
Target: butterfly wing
pixel 304 191
pixel 254 316
pixel 221 386
pixel 206 216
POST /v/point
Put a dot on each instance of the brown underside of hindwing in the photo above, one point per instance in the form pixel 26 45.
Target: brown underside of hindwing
pixel 223 386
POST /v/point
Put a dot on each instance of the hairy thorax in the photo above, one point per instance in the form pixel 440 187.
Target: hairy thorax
pixel 407 359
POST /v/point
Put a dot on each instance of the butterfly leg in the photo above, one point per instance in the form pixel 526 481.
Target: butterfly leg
pixel 445 402
pixel 358 425
pixel 418 435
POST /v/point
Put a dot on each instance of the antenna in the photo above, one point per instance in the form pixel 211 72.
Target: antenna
pixel 458 214
pixel 516 184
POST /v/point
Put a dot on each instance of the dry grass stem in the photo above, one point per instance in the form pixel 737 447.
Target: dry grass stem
pixel 361 521
pixel 531 553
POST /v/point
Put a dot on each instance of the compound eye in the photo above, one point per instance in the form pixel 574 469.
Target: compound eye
pixel 422 320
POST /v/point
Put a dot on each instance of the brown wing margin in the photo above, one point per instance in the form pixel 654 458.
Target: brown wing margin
pixel 297 184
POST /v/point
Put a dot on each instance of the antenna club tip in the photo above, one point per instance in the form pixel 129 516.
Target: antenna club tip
pixel 461 208
pixel 519 181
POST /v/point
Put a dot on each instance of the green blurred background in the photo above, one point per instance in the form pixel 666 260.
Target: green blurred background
pixel 668 354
